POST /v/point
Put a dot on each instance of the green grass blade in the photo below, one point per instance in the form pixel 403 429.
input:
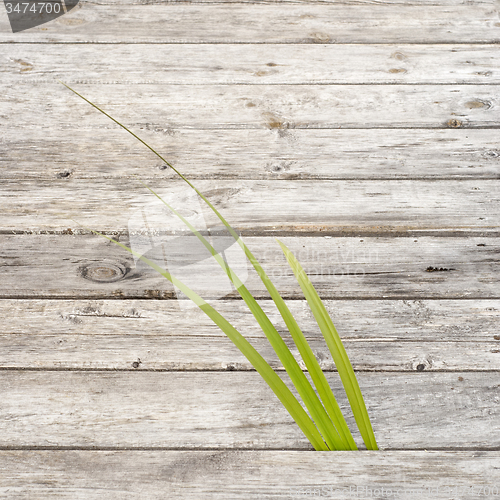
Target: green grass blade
pixel 292 325
pixel 337 350
pixel 297 376
pixel 279 388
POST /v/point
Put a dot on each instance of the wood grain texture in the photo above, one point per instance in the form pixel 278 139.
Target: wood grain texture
pixel 191 475
pixel 420 321
pixel 165 107
pixel 321 154
pixel 237 410
pixel 404 268
pixel 254 206
pixel 190 353
pixel 252 64
pixel 369 122
pixel 441 21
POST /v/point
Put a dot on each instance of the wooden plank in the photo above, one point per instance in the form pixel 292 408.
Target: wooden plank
pixel 319 154
pixel 253 64
pixel 254 206
pixel 156 475
pixel 236 410
pixel 420 321
pixel 441 21
pixel 164 107
pixel 376 267
pixel 139 352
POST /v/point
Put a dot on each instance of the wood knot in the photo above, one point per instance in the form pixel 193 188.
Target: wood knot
pixel 478 104
pixel 399 56
pixel 454 123
pixel 320 37
pixel 491 154
pixel 103 272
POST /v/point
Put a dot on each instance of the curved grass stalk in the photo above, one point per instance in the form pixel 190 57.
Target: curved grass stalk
pixel 337 350
pixel 325 323
pixel 328 428
pixel 272 379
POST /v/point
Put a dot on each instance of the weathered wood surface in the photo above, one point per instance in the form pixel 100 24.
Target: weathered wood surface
pixel 442 21
pixel 420 321
pixel 319 154
pixel 252 64
pixel 191 475
pixel 376 124
pixel 87 266
pixel 256 206
pixel 165 107
pixel 237 410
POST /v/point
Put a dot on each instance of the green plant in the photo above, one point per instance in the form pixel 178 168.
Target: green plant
pixel 326 427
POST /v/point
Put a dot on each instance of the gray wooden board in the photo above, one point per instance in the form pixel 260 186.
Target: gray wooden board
pixel 279 118
pixel 156 475
pixel 149 352
pixel 441 21
pixel 319 154
pixel 251 64
pixel 418 410
pixel 165 107
pixel 256 206
pixel 391 321
pixel 87 266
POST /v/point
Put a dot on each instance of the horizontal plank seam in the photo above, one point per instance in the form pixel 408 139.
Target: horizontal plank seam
pixel 216 177
pixel 309 127
pixel 323 83
pixel 207 338
pixel 257 297
pixel 232 369
pixel 235 449
pixel 339 44
pixel 480 232
pixel 224 177
pixel 156 336
pixel 236 42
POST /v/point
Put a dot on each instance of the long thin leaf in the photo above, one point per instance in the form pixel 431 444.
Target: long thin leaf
pixel 304 388
pixel 311 363
pixel 279 388
pixel 337 350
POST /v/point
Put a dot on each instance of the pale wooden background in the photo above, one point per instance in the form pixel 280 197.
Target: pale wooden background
pixel 362 133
